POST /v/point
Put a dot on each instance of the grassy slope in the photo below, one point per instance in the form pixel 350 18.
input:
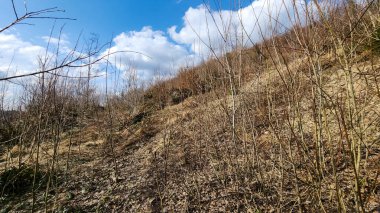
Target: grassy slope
pixel 189 156
pixel 182 157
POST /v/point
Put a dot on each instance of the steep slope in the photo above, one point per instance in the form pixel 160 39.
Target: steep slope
pixel 188 157
pixel 291 124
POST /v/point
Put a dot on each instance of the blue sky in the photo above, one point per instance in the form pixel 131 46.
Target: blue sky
pixel 104 18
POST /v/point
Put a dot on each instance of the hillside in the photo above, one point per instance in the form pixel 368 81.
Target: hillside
pixel 290 124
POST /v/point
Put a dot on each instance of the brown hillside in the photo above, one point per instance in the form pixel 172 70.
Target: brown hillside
pixel 291 124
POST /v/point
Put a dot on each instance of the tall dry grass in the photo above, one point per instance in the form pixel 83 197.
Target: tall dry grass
pixel 293 131
pixel 290 124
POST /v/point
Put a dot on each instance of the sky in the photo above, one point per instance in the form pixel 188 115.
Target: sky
pixel 107 18
pixel 167 34
pixel 101 17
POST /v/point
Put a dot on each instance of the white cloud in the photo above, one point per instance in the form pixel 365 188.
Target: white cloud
pixel 224 30
pixel 62 41
pixel 17 56
pixel 151 52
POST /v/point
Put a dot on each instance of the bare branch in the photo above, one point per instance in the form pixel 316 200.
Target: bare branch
pixel 35 15
pixel 14 9
pixel 71 64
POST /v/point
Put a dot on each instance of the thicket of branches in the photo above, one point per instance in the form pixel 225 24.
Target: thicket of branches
pixel 290 124
pixel 301 136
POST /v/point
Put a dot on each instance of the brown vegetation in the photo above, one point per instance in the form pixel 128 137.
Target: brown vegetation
pixel 291 124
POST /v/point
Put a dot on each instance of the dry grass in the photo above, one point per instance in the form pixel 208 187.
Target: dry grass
pixel 264 129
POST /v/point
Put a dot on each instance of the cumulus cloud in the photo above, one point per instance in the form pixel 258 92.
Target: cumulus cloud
pixel 17 56
pixel 149 52
pixel 221 31
pixel 55 41
pixel 205 32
